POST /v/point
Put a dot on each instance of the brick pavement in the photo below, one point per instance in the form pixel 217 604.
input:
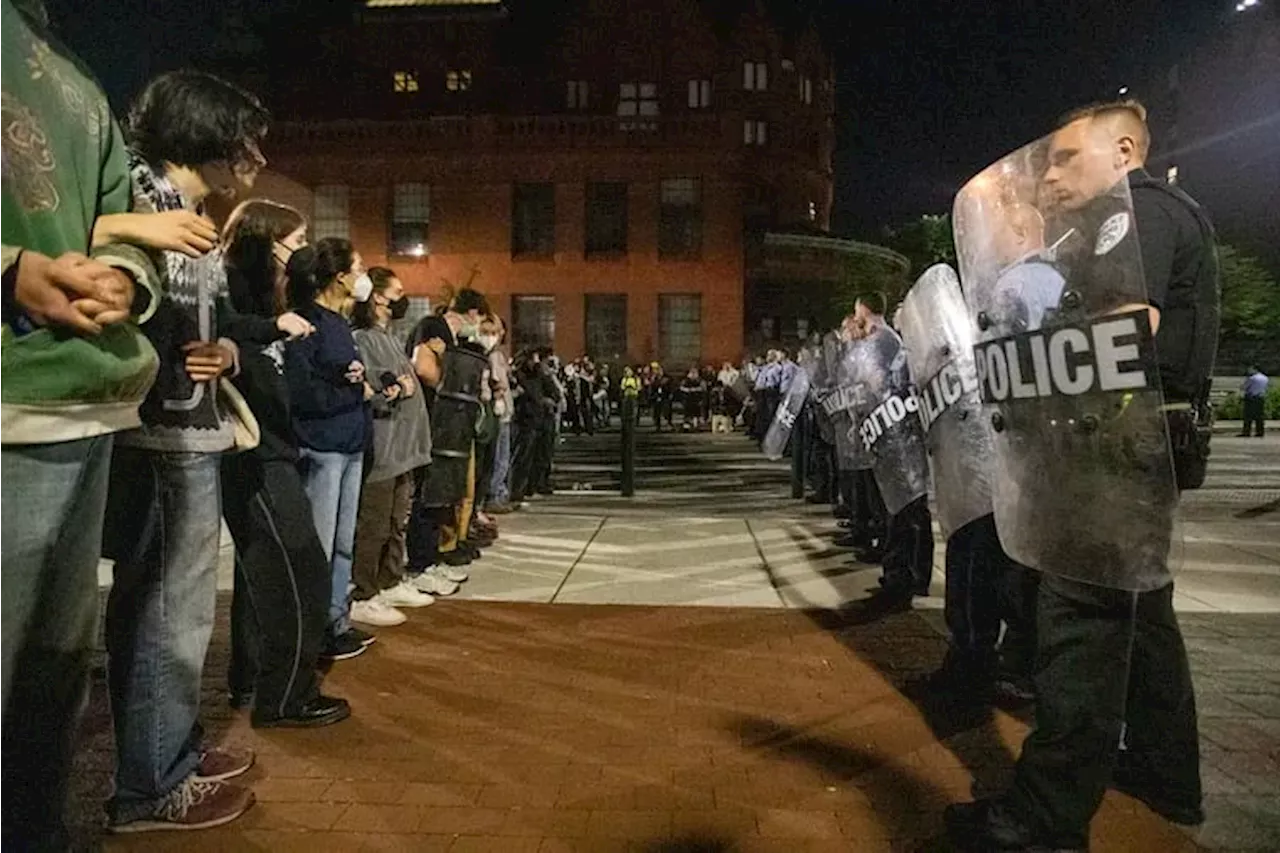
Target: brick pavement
pixel 512 727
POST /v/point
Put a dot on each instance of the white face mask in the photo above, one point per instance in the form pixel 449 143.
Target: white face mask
pixel 363 288
pixel 488 342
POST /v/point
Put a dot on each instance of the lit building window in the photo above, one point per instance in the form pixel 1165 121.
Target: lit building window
pixel 331 217
pixel 404 82
pixel 755 132
pixel 457 81
pixel 410 216
pixel 576 94
pixel 699 94
pixel 1171 175
pixel 813 211
pixel 755 76
pixel 806 90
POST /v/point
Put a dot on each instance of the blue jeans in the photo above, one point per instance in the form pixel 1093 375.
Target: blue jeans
pixel 54 496
pixel 500 481
pixel 332 481
pixel 164 520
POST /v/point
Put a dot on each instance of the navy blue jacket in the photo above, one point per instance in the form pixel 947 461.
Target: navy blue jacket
pixel 329 412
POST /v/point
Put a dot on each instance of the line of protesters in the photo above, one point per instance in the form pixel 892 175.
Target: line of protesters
pixel 160 374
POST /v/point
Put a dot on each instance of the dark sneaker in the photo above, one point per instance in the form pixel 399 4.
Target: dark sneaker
pixel 456 558
pixel 342 647
pixel 194 804
pixel 988 827
pixel 320 711
pixel 501 509
pixel 361 636
pixel 223 763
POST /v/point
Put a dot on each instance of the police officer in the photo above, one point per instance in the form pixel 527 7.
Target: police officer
pixel 1095 727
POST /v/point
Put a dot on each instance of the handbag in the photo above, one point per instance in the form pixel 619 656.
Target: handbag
pixel 231 401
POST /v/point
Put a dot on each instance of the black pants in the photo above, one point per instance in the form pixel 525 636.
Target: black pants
pixel 821 467
pixel 524 443
pixel 662 411
pixel 422 537
pixel 870 518
pixel 908 550
pixel 1254 413
pixel 985 587
pixel 1086 633
pixel 484 472
pixel 769 399
pixel 280 601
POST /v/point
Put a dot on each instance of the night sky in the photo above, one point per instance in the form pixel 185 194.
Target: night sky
pixel 929 92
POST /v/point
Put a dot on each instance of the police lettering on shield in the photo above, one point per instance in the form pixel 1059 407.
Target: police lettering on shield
pixel 1110 354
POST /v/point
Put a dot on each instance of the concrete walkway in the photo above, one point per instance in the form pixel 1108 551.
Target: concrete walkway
pixel 674 673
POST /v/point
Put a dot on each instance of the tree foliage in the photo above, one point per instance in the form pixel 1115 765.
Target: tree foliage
pixel 925 241
pixel 1250 296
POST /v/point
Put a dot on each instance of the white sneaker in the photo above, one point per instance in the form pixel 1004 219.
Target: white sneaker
pixel 374 612
pixel 404 594
pixel 434 583
pixel 452 573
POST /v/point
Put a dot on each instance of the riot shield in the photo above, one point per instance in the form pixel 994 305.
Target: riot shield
pixel 938 335
pixel 839 404
pixel 1082 477
pixel 823 384
pixel 886 420
pixel 791 405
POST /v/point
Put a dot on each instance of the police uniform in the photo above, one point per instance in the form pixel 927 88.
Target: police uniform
pixel 1095 727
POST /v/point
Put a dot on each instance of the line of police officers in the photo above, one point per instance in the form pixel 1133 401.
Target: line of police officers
pixel 1052 398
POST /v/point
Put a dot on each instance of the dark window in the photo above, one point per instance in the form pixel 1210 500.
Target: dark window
pixel 606 219
pixel 699 94
pixel 607 326
pixel 533 322
pixel 410 216
pixel 533 219
pixel 680 218
pixel 680 330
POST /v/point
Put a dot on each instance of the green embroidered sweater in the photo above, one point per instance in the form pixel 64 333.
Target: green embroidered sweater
pixel 64 165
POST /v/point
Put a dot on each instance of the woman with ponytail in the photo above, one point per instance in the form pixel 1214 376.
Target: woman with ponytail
pixel 329 399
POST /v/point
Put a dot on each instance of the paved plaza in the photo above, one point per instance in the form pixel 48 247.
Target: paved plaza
pixel 681 672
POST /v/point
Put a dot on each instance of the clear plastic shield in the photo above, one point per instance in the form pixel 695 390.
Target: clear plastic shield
pixel 1082 478
pixel 938 335
pixel 790 407
pixel 839 403
pixel 886 420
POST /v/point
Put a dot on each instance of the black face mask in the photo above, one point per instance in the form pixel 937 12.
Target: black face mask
pixel 399 308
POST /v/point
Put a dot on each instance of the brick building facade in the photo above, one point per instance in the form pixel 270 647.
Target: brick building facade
pixel 603 172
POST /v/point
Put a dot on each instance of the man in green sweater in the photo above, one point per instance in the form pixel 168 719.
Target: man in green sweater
pixel 73 369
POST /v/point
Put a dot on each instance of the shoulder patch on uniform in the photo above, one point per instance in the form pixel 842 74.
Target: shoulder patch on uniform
pixel 1112 232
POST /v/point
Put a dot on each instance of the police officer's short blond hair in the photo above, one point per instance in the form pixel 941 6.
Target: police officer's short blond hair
pixel 1128 115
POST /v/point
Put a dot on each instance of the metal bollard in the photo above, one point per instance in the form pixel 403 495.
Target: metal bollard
pixel 629 415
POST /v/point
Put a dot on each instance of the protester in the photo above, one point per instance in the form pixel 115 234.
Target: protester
pixel 401 445
pixel 329 397
pixel 59 352
pixel 281 594
pixel 191 136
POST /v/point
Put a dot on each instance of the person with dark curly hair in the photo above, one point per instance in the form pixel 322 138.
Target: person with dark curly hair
pixel 191 136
